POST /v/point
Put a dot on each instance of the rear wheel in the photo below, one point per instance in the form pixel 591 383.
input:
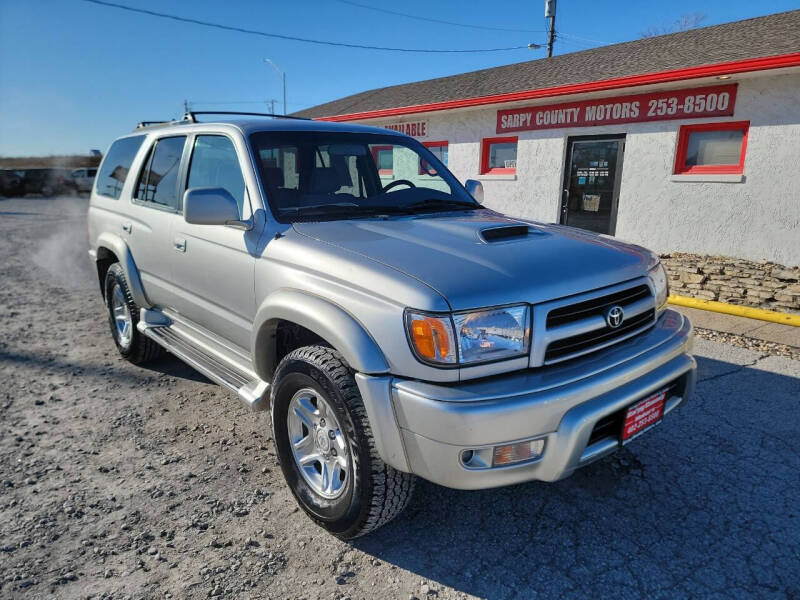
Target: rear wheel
pixel 123 315
pixel 326 449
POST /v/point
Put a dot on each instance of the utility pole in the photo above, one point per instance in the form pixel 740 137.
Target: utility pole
pixel 185 106
pixel 272 106
pixel 550 13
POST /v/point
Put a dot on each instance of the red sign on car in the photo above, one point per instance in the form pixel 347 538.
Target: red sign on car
pixel 643 415
pixel 711 101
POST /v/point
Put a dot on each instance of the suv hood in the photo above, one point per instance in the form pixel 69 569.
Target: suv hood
pixel 449 253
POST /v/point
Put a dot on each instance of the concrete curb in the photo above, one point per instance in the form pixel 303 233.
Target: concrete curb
pixel 735 310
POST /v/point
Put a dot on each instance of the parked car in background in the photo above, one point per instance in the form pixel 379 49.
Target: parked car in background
pixel 10 183
pixel 47 181
pixel 84 178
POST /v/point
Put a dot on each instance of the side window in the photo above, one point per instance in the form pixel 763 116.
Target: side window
pixel 158 181
pixel 215 164
pixel 116 165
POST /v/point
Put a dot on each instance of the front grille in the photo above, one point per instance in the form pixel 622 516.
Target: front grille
pixel 581 310
pixel 580 343
pixel 581 327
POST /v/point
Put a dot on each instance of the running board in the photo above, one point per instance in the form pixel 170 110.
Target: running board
pixel 252 392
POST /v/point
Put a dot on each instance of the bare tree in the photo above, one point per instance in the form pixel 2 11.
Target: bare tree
pixel 683 23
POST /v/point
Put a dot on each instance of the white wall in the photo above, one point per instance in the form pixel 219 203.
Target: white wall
pixel 757 218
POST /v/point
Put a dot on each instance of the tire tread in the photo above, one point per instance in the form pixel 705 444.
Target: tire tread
pixel 142 349
pixel 391 489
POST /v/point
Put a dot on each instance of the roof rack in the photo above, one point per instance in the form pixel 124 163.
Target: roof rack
pixel 190 117
pixel 146 124
pixel 191 114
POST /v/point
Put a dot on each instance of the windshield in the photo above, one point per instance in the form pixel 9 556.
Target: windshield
pixel 324 175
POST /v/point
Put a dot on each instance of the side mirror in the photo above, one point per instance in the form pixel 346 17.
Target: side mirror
pixel 475 189
pixel 211 206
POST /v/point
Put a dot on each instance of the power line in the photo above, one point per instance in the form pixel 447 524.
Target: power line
pixel 440 21
pixel 583 39
pixel 153 13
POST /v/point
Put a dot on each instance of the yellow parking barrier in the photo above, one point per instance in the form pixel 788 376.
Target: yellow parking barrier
pixel 738 311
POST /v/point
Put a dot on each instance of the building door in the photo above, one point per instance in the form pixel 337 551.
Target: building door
pixel 591 182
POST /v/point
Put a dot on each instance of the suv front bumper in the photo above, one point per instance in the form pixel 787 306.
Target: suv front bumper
pixel 424 428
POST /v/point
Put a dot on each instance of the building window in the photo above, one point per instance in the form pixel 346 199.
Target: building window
pixel 711 148
pixel 439 150
pixel 384 159
pixel 499 156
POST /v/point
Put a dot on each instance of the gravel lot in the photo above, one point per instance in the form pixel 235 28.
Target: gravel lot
pixel 122 481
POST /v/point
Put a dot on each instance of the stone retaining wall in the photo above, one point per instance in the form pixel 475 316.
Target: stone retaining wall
pixel 735 281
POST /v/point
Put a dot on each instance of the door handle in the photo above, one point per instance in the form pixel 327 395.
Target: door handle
pixel 127 227
pixel 179 244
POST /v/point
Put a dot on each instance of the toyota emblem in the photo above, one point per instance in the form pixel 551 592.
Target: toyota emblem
pixel 614 316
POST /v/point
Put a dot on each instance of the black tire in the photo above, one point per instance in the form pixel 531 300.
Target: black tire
pixel 139 349
pixel 374 493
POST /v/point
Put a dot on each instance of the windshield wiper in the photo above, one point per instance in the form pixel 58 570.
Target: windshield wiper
pixel 319 210
pixel 442 203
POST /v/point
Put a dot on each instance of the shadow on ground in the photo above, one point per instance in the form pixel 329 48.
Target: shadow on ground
pixel 166 365
pixel 174 367
pixel 706 503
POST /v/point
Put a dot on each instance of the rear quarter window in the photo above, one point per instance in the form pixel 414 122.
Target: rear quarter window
pixel 116 165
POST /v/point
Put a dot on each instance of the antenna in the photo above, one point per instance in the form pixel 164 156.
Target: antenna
pixel 550 13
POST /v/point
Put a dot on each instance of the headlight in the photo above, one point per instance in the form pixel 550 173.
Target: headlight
pixel 478 336
pixel 660 284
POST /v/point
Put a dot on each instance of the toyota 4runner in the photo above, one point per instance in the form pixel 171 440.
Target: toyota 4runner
pixel 341 277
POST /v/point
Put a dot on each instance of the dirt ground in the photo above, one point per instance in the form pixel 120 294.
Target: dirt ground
pixel 151 482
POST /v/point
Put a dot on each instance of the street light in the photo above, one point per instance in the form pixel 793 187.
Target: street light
pixel 283 77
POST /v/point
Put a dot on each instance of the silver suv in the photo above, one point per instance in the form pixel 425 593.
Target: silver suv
pixel 341 277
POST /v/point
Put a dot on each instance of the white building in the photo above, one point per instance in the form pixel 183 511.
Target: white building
pixel 688 142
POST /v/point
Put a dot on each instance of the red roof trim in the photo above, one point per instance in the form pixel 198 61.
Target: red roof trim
pixel 726 68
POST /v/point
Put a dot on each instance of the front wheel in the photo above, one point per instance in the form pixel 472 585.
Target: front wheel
pixel 325 446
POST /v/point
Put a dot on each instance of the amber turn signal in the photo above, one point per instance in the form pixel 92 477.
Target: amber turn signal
pixel 514 453
pixel 432 337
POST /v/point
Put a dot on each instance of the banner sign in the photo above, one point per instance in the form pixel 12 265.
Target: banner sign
pixel 712 101
pixel 415 129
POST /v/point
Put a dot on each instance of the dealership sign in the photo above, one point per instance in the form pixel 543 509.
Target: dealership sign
pixel 713 101
pixel 414 129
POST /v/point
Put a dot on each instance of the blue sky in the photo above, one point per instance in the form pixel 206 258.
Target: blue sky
pixel 74 75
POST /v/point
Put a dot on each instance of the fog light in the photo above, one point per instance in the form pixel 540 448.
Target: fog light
pixel 514 453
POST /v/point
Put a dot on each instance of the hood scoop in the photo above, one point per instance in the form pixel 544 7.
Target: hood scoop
pixel 505 233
